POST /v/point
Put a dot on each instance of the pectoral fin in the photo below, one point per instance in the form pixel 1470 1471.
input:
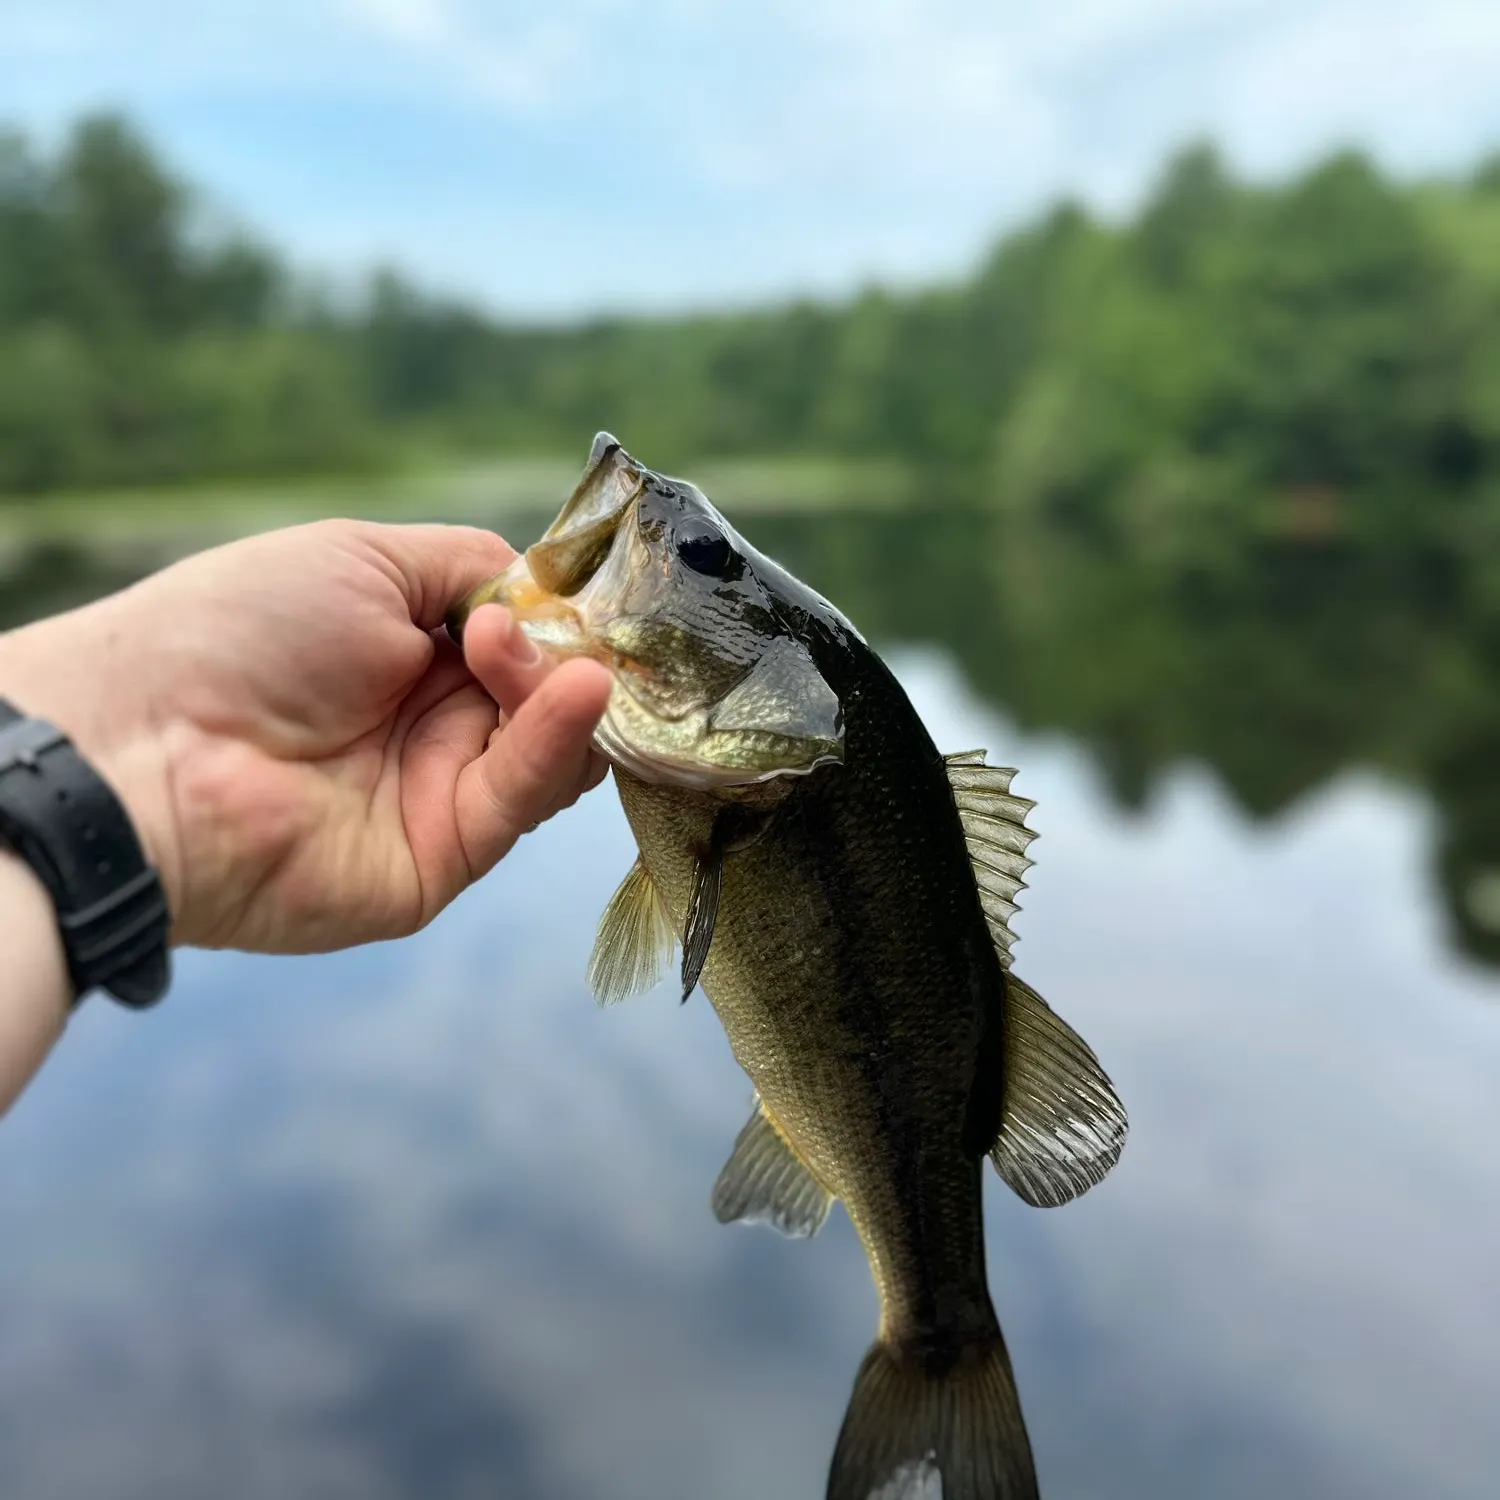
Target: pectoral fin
pixel 635 940
pixel 764 1182
pixel 703 912
pixel 735 828
pixel 1062 1126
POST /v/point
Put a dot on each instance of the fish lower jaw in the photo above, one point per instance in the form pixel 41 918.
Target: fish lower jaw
pixel 662 767
pixel 659 768
pixel 550 621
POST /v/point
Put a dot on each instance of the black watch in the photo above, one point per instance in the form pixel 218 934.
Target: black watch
pixel 64 820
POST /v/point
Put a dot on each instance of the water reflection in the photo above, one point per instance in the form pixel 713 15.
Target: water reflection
pixel 420 1220
pixel 1279 665
pixel 43 577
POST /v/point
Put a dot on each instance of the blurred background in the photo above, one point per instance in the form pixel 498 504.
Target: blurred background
pixel 1130 373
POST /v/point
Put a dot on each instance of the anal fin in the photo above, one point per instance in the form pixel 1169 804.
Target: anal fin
pixel 764 1182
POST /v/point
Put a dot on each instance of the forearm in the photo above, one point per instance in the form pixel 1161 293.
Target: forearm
pixel 66 670
pixel 34 986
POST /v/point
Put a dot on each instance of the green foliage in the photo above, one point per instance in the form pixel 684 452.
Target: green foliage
pixel 1327 337
pixel 137 348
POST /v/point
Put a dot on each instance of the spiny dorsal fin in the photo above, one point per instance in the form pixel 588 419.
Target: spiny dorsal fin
pixel 1062 1126
pixel 635 940
pixel 764 1182
pixel 994 823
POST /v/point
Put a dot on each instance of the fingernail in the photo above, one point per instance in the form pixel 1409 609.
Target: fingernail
pixel 521 648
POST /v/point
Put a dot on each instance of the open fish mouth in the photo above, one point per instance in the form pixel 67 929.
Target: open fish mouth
pixel 574 547
pixel 594 586
pixel 537 586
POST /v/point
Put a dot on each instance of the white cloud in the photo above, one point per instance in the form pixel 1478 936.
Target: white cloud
pixel 792 145
pixel 426 22
pixel 523 65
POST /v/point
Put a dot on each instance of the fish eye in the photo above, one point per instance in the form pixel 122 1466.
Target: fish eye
pixel 704 548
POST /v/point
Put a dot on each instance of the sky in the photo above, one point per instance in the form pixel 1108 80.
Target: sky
pixel 552 160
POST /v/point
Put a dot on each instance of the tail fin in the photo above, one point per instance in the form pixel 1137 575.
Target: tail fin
pixel 920 1429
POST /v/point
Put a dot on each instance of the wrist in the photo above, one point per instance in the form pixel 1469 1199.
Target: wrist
pixel 52 671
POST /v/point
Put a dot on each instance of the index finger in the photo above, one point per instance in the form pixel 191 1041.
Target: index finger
pixel 438 564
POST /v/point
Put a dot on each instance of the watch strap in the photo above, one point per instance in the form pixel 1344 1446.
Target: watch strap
pixel 66 822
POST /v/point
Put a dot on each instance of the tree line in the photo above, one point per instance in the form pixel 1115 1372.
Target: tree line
pixel 1270 349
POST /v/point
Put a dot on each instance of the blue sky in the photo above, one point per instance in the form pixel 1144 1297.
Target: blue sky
pixel 557 158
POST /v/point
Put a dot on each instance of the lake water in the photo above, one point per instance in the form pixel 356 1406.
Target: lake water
pixel 419 1220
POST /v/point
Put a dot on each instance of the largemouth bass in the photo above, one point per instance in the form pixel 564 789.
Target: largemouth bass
pixel 843 892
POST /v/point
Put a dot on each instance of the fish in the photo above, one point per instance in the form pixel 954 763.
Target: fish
pixel 842 892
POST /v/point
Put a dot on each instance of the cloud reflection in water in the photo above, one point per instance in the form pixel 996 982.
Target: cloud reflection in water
pixel 418 1219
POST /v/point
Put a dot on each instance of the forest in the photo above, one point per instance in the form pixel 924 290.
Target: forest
pixel 1263 350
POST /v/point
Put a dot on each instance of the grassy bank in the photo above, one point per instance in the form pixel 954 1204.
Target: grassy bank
pixel 497 494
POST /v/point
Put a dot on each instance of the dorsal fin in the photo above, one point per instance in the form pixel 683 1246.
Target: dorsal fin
pixel 1062 1125
pixel 994 824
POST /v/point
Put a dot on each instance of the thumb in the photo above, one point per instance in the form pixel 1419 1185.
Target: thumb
pixel 540 759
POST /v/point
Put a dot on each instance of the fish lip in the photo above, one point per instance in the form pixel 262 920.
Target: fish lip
pixel 524 597
pixel 512 586
pixel 608 461
pixel 577 545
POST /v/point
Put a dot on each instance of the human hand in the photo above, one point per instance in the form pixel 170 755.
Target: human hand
pixel 309 761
